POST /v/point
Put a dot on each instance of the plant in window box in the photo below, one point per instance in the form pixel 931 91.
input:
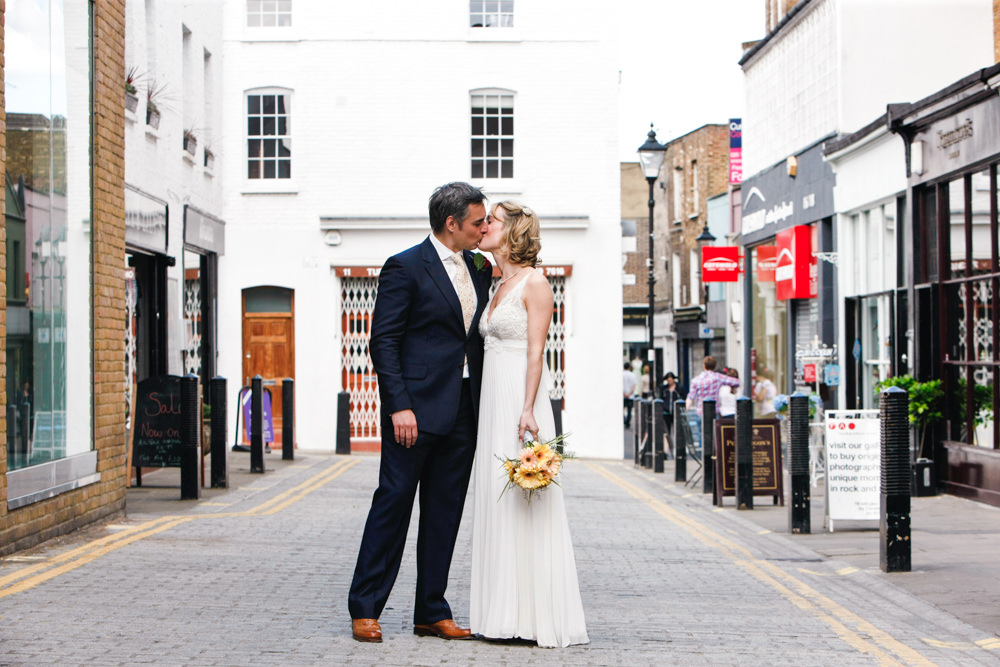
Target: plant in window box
pixel 155 94
pixel 132 77
pixel 190 141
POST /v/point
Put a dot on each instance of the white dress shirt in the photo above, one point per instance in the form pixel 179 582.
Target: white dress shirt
pixel 445 253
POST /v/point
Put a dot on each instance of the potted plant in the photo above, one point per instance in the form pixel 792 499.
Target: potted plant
pixel 924 404
pixel 190 142
pixel 154 95
pixel 209 158
pixel 132 77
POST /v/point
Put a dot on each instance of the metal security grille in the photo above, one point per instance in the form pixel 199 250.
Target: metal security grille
pixel 555 343
pixel 357 297
pixel 358 376
pixel 131 297
pixel 192 323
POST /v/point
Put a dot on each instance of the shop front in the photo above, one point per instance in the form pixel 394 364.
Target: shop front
pixel 787 233
pixel 63 432
pixel 146 260
pixel 204 244
pixel 952 143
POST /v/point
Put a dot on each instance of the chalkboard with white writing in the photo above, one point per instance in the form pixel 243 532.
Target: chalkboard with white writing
pixel 156 440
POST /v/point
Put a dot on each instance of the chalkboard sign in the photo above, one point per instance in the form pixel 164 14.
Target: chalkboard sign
pixel 156 440
pixel 765 438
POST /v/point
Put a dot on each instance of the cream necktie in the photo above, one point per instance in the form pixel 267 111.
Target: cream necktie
pixel 463 285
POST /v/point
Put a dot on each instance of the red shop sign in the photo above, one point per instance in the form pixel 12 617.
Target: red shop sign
pixel 795 273
pixel 720 264
pixel 767 261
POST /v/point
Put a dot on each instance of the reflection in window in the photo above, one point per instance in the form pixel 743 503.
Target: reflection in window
pixel 269 13
pixel 491 13
pixel 493 136
pixel 269 143
pixel 47 217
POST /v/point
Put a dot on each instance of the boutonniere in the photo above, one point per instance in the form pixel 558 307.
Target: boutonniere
pixel 480 261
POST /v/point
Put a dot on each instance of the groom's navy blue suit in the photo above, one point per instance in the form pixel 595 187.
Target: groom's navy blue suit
pixel 418 346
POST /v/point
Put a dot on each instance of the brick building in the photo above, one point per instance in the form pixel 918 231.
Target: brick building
pixel 695 168
pixel 63 417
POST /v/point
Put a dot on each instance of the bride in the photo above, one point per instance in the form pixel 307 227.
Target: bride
pixel 524 582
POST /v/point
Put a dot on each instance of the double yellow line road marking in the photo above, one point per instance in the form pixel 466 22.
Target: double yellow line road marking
pixel 851 628
pixel 33 575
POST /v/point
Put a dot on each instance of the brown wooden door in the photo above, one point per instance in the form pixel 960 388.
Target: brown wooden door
pixel 269 351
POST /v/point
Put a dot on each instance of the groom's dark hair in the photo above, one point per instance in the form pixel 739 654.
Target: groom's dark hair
pixel 452 199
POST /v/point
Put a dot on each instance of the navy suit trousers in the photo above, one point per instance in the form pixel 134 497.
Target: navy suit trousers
pixel 439 466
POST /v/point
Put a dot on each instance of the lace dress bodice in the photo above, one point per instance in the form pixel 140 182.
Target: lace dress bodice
pixel 508 325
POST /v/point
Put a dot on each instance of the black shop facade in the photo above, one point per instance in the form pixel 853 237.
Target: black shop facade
pixel 790 283
pixel 952 141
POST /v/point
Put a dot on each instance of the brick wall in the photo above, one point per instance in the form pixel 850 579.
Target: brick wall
pixel 996 30
pixel 43 520
pixel 707 146
pixel 635 206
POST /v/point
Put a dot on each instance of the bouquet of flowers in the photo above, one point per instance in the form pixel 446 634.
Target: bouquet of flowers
pixel 535 467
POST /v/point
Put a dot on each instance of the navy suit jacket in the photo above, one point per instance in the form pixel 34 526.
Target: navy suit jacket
pixel 418 340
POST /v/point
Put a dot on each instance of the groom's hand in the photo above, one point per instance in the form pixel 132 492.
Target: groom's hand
pixel 404 424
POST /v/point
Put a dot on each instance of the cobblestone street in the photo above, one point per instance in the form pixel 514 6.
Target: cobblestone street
pixel 258 575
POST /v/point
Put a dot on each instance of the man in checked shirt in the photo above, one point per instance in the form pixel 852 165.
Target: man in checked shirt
pixel 703 388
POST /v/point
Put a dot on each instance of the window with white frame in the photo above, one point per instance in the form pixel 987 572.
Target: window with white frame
pixel 269 143
pixel 492 135
pixel 491 13
pixel 269 13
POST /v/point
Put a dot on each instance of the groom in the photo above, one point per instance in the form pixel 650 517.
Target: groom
pixel 428 355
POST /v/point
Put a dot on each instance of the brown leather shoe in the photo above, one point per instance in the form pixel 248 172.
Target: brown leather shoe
pixel 445 629
pixel 366 630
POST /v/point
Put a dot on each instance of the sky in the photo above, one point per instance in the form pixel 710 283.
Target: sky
pixel 678 62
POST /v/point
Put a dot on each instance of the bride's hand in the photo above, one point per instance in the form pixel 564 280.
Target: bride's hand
pixel 527 423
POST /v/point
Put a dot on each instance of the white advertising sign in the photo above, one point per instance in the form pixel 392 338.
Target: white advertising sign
pixel 853 465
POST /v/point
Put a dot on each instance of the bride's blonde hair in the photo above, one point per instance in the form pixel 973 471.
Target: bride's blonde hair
pixel 521 232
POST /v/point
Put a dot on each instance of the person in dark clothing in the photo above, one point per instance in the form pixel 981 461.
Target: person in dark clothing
pixel 670 392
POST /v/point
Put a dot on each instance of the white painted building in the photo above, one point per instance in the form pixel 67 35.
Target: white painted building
pixel 827 69
pixel 339 121
pixel 869 196
pixel 173 198
pixel 833 65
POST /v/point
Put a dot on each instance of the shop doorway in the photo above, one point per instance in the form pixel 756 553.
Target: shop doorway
pixel 269 342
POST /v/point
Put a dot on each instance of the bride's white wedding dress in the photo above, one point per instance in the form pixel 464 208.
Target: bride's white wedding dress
pixel 524 581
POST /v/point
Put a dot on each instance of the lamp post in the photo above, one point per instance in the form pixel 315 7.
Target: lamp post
pixel 651 156
pixel 703 240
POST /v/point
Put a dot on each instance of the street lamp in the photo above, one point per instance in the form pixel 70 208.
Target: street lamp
pixel 703 240
pixel 651 156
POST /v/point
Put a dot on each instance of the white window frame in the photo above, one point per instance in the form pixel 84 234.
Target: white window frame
pixel 491 13
pixel 487 137
pixel 283 139
pixel 268 13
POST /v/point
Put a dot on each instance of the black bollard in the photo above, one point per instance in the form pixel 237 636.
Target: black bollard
pixel 344 423
pixel 220 460
pixel 557 418
pixel 659 433
pixel 799 510
pixel 257 424
pixel 707 445
pixel 288 419
pixel 647 433
pixel 190 438
pixel 744 453
pixel 680 442
pixel 894 521
pixel 637 430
